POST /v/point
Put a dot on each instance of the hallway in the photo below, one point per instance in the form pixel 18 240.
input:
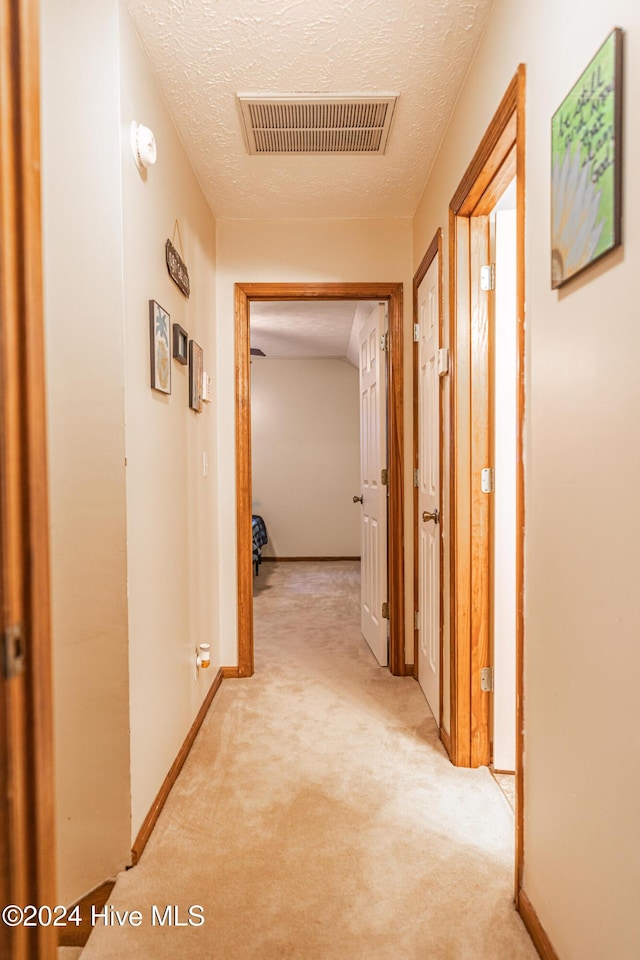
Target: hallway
pixel 317 816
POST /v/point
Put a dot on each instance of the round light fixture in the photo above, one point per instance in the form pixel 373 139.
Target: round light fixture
pixel 143 145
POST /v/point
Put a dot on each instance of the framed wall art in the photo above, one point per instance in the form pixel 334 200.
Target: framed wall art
pixel 180 344
pixel 196 367
pixel 586 166
pixel 159 329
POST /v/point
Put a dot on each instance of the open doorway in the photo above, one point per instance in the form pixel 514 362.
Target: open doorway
pixel 305 448
pixel 485 529
pixel 305 428
pixel 391 296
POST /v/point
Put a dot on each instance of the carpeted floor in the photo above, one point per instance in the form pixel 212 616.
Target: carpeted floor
pixel 318 817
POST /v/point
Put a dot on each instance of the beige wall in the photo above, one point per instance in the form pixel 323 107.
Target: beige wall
pixel 582 457
pixel 82 230
pixel 171 523
pixel 303 251
pixel 306 456
pixel 125 687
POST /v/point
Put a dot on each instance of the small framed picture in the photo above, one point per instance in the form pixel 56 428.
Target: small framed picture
pixel 159 329
pixel 196 367
pixel 180 344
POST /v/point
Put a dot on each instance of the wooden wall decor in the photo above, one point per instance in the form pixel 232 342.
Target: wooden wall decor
pixel 177 269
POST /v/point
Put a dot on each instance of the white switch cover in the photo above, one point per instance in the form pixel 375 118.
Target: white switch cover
pixel 205 464
pixel 207 388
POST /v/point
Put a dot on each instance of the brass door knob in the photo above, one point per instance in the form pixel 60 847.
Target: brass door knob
pixel 358 499
pixel 435 516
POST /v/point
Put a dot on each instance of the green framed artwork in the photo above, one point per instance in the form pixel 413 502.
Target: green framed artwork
pixel 586 166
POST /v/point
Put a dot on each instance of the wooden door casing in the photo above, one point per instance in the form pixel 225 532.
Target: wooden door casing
pixel 245 293
pixel 499 158
pixel 27 840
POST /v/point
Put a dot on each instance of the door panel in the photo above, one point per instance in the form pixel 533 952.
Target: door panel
pixel 373 459
pixel 429 489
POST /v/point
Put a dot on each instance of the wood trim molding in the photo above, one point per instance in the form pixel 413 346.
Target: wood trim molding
pixel 151 818
pixel 27 822
pixel 496 158
pixel 481 505
pixel 395 459
pixel 76 935
pixel 243 484
pixel 426 262
pixel 446 741
pixel 520 478
pixel 245 293
pixel 538 934
pixel 494 146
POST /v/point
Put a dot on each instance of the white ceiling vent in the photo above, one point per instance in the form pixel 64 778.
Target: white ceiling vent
pixel 317 123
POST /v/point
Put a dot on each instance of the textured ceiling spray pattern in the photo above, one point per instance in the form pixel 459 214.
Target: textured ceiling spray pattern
pixel 204 52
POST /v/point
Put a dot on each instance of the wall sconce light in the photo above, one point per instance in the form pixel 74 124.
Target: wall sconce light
pixel 203 655
pixel 143 145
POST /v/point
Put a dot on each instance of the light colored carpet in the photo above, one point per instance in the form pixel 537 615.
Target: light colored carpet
pixel 318 817
pixel 69 953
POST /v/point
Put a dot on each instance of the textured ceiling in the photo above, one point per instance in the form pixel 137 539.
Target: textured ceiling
pixel 305 329
pixel 204 52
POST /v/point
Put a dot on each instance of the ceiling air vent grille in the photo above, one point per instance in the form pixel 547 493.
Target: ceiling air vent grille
pixel 317 124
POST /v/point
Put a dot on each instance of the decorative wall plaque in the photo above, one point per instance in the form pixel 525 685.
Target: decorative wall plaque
pixel 177 268
pixel 196 366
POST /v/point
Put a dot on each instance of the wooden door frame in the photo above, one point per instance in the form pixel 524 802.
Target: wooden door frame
pixel 433 250
pixel 245 294
pixel 27 826
pixel 500 157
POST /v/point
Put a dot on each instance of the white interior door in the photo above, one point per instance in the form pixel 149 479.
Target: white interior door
pixel 373 459
pixel 429 490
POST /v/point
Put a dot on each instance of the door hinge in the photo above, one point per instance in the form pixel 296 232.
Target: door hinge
pixel 416 477
pixel 416 620
pixel 416 332
pixel 384 477
pixel 488 277
pixel 443 361
pixel 385 610
pixel 13 651
pixel 384 341
pixel 488 480
pixel 486 679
